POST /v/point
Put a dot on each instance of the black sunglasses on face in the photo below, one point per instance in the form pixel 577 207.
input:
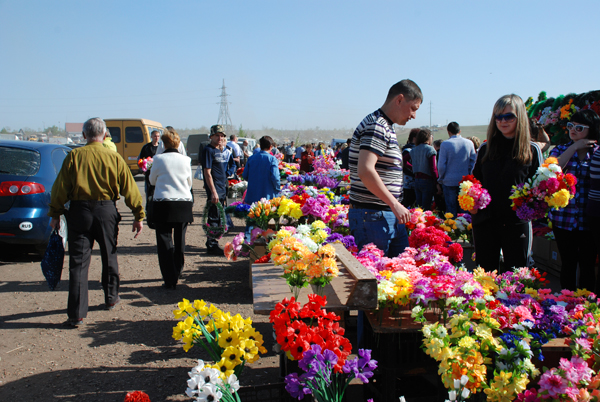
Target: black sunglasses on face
pixel 508 117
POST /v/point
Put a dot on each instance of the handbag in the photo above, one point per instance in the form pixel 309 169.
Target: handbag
pixel 54 257
pixel 198 175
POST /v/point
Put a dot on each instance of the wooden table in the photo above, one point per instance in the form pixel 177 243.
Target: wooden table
pixel 355 288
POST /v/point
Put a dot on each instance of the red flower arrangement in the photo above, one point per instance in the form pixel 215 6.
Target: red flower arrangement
pixel 240 171
pixel 300 199
pixel 438 240
pixel 137 396
pixel 298 328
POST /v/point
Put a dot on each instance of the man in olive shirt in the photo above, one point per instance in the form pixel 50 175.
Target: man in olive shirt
pixel 92 177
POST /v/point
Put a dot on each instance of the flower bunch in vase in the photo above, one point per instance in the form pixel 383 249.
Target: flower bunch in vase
pixel 548 189
pixel 472 196
pixel 145 164
pixel 459 227
pixel 496 363
pixel 207 384
pixel 263 211
pixel 230 341
pixel 320 378
pixel 436 239
pixel 298 328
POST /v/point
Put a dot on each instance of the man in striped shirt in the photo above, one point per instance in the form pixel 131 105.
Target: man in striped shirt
pixel 375 160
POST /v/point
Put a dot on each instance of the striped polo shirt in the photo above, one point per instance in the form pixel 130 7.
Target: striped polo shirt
pixel 376 134
pixel 593 206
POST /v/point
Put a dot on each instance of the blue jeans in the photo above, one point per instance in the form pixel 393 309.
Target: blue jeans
pixel 451 198
pixel 378 227
pixel 424 190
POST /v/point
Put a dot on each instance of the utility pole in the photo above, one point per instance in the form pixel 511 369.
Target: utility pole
pixel 430 115
pixel 224 118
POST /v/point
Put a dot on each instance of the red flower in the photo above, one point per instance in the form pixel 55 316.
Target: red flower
pixel 137 396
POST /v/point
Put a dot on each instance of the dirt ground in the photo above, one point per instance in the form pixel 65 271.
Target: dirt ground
pixel 126 349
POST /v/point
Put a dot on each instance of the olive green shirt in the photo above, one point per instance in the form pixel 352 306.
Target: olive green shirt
pixel 94 172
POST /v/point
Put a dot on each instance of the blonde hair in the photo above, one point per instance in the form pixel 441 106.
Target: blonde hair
pixel 521 151
pixel 170 138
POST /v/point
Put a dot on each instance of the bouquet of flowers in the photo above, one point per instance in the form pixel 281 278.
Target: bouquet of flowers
pixel 145 164
pixel 238 209
pixel 237 248
pixel 231 341
pixel 458 228
pixel 548 188
pixel 137 396
pixel 236 188
pixel 207 384
pixel 261 212
pixel 471 195
pixel 324 163
pixel 319 378
pixel 436 239
pixel 298 328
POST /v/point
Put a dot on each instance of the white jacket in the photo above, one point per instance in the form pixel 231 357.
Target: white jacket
pixel 171 173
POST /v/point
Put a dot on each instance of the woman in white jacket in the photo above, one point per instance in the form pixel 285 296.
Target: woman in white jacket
pixel 171 174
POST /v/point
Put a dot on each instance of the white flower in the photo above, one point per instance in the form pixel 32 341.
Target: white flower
pixel 209 393
pixel 456 384
pixel 465 393
pixel 452 395
pixel 198 368
pixel 233 383
pixel 468 288
pixel 464 380
pixel 416 310
pixel 441 332
pixel 208 376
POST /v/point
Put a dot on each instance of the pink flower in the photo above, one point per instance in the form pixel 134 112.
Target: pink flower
pixel 553 383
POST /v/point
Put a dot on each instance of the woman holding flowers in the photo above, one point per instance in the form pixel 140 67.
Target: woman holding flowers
pixel 570 225
pixel 507 158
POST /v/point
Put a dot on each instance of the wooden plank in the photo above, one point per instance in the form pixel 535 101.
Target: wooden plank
pixel 354 288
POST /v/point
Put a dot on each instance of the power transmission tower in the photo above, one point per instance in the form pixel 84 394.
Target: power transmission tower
pixel 224 118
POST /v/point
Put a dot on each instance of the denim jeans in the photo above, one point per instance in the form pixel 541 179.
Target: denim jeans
pixel 451 198
pixel 378 227
pixel 424 189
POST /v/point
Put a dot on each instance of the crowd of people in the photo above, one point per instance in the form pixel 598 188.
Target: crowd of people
pixel 386 181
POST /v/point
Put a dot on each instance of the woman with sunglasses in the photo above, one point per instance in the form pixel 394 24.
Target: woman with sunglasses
pixel 570 224
pixel 508 158
pixel 593 206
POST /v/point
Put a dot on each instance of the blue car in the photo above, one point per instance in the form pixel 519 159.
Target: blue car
pixel 27 172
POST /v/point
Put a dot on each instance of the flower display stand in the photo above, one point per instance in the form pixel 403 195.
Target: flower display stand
pixel 403 367
pixel 355 288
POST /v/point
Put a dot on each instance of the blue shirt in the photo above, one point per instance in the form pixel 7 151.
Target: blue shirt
pixel 262 174
pixel 221 166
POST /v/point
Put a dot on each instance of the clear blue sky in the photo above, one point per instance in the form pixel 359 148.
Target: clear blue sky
pixel 286 64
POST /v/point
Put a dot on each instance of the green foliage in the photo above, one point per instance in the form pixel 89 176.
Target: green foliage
pixel 3 131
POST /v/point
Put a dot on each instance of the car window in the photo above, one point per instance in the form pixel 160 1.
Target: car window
pixel 133 134
pixel 115 133
pixel 58 156
pixel 19 161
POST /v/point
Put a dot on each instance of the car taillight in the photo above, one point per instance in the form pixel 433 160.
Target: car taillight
pixel 11 188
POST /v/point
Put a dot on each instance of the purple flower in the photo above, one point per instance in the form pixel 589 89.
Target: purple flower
pixel 295 387
pixel 362 366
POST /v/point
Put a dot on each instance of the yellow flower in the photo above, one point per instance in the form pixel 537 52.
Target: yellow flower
pixel 224 368
pixel 466 342
pixel 183 305
pixel 448 215
pixel 228 338
pixel 318 225
pixel 296 212
pixel 199 305
pixel 233 354
pixel 179 330
pixel 249 349
pixel 560 199
pixel 466 202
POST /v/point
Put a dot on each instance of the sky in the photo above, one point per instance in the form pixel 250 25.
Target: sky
pixel 286 64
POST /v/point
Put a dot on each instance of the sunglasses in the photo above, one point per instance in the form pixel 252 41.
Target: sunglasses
pixel 578 127
pixel 508 117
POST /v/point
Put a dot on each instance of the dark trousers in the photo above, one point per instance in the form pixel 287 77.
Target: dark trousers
pixel 595 225
pixel 170 244
pixel 213 218
pixel 514 240
pixel 576 247
pixel 90 221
